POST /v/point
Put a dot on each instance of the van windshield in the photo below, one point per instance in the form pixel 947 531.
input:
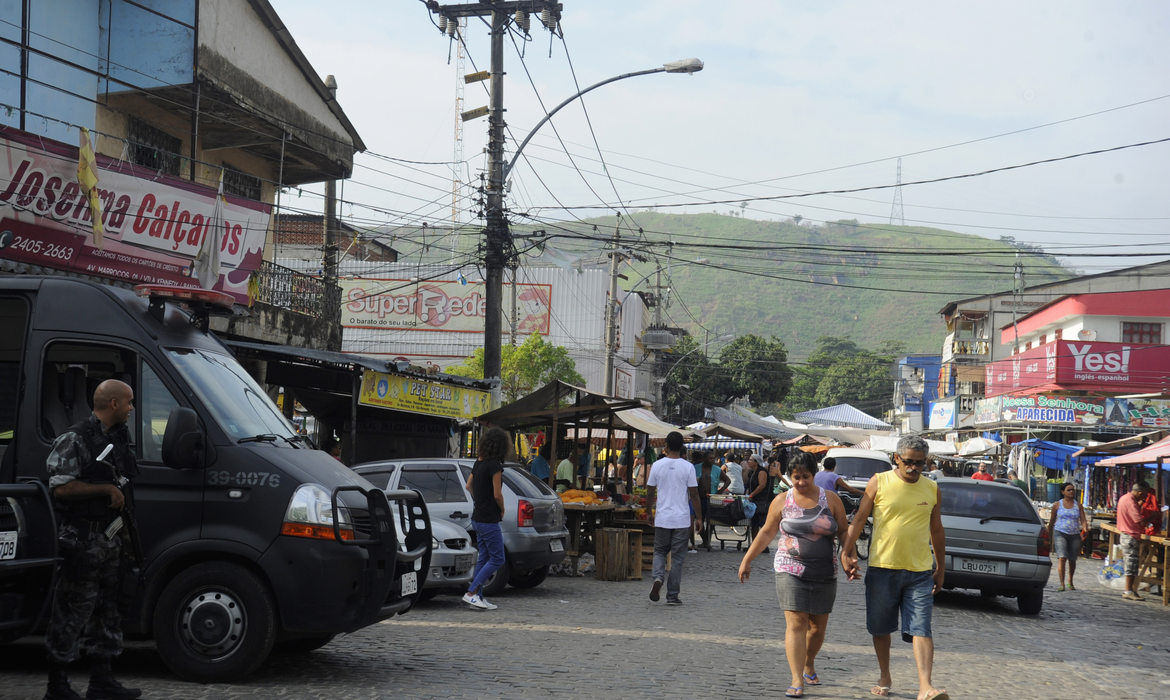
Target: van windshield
pixel 234 399
pixel 861 468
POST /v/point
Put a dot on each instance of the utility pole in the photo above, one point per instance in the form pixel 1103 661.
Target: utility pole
pixel 331 212
pixel 515 309
pixel 497 237
pixel 615 261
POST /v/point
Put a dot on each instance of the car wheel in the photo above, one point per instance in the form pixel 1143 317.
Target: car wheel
pixel 303 645
pixel 215 623
pixel 498 581
pixel 1030 602
pixel 528 579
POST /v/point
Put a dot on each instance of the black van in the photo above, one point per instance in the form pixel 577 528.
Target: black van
pixel 250 537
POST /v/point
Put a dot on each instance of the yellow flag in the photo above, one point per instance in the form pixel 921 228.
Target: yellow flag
pixel 87 177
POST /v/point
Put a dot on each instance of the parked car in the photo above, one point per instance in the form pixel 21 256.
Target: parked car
pixel 534 517
pixel 857 466
pixel 995 541
pixel 452 558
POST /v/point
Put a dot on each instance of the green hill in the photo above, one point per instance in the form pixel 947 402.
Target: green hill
pixel 871 282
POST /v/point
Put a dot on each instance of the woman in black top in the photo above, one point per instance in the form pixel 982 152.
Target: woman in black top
pixel 486 486
pixel 758 486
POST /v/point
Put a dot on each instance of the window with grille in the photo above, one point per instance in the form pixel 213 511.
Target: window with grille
pixel 1141 333
pixel 240 183
pixel 153 148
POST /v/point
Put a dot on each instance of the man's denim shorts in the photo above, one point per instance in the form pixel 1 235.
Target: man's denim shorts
pixel 889 592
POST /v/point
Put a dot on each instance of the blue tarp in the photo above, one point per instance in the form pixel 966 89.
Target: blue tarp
pixel 1054 455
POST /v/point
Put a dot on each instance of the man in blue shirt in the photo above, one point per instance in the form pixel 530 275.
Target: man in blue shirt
pixel 539 465
pixel 585 465
pixel 830 481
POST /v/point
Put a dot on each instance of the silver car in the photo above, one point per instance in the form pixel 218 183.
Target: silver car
pixel 534 517
pixel 995 541
pixel 452 558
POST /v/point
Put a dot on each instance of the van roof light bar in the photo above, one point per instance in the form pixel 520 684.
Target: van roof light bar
pixel 201 302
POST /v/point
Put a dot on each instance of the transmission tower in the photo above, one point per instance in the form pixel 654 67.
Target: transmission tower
pixel 897 216
pixel 457 158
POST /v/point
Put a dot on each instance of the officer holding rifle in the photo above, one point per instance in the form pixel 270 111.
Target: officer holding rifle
pixel 89 472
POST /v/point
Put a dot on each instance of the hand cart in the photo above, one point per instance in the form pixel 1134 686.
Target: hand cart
pixel 719 512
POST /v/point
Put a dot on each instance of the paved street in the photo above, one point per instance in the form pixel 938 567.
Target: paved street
pixel 586 638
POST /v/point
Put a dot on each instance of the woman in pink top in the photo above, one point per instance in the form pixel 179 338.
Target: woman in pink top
pixel 810 520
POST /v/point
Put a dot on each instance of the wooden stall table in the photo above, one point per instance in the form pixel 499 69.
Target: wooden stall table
pixel 582 522
pixel 1153 554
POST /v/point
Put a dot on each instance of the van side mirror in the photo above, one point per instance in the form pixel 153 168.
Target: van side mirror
pixel 183 442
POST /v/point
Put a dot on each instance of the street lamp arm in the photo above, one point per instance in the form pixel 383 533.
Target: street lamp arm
pixel 558 108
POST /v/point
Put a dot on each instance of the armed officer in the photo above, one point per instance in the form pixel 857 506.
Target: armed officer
pixel 90 505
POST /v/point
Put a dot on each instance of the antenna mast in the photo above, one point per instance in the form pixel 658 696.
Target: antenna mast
pixel 897 216
pixel 457 158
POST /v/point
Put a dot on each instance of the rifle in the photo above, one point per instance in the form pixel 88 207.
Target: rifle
pixel 126 518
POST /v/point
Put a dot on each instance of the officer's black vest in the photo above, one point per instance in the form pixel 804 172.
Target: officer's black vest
pixel 94 472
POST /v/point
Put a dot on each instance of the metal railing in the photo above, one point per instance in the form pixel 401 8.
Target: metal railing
pixel 288 289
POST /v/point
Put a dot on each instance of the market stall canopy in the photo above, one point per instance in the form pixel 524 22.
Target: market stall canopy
pixel 843 415
pixel 1148 455
pixel 539 407
pixel 724 445
pixel 724 430
pixel 806 439
pixel 888 443
pixel 814 449
pixel 1051 455
pixel 1124 445
pixel 643 420
pixel 744 419
pixel 978 446
pixel 845 436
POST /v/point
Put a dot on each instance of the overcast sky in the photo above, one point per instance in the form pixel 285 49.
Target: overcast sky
pixel 789 90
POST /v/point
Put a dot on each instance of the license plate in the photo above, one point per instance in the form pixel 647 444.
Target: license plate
pixel 409 583
pixel 7 545
pixel 981 566
pixel 463 562
pixel 556 546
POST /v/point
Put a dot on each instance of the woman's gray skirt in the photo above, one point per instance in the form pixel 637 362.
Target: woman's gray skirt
pixel 812 596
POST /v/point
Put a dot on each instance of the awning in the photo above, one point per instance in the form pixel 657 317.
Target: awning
pixel 724 430
pixel 724 445
pixel 1149 455
pixel 644 421
pixel 978 446
pixel 842 415
pixel 543 404
pixel 887 443
pixel 846 436
pixel 1124 445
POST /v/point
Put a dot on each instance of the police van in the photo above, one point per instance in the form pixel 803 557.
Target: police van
pixel 250 537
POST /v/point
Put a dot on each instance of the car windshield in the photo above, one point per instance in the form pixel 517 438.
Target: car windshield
pixel 977 500
pixel 525 484
pixel 233 398
pixel 860 467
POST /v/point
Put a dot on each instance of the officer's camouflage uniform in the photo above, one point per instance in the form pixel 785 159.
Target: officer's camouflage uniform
pixel 85 603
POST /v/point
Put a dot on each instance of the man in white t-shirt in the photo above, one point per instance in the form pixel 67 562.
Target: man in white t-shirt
pixel 734 472
pixel 671 492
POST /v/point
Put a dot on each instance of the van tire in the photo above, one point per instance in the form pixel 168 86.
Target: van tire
pixel 498 581
pixel 1030 602
pixel 214 594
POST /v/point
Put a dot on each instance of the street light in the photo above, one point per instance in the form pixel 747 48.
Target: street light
pixel 686 65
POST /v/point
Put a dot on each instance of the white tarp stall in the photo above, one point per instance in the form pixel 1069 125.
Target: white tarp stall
pixel 889 443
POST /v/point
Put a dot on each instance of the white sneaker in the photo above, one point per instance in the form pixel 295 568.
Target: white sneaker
pixel 490 606
pixel 476 602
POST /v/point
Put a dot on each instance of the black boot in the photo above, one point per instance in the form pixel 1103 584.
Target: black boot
pixel 59 683
pixel 102 685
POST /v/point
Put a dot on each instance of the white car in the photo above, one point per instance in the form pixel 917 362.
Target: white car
pixel 453 559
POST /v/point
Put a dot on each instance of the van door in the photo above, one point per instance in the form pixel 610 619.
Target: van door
pixel 168 501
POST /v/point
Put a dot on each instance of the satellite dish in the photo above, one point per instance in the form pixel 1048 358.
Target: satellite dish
pixel 1087 335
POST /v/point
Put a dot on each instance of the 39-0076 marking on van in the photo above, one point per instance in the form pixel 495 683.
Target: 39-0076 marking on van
pixel 222 478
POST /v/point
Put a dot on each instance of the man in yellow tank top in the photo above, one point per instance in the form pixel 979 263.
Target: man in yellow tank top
pixel 904 573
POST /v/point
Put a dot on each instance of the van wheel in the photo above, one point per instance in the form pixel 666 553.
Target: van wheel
pixel 215 623
pixel 1030 602
pixel 499 580
pixel 528 579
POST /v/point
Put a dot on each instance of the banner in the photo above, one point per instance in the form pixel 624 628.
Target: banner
pixel 453 307
pixel 1073 410
pixel 1083 366
pixel 421 396
pixel 942 415
pixel 154 224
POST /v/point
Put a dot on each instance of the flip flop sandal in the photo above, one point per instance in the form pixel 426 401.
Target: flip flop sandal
pixel 880 690
pixel 798 694
pixel 812 680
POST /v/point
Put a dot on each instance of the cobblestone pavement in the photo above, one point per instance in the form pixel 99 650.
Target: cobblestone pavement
pixel 578 637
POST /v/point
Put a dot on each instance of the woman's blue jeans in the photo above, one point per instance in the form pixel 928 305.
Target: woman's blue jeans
pixel 490 543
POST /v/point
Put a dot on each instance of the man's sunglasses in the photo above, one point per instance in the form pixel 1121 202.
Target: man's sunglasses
pixel 912 462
